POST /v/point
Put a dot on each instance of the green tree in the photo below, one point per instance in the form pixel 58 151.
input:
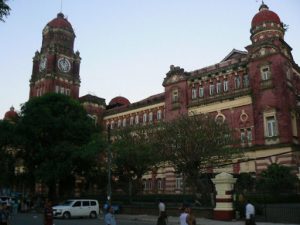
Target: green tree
pixel 7 154
pixel 277 178
pixel 193 144
pixel 57 140
pixel 133 155
pixel 4 9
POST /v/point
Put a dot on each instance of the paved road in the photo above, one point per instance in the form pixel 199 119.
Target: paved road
pixel 122 219
pixel 37 219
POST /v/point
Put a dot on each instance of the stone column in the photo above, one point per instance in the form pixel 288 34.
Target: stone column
pixel 224 183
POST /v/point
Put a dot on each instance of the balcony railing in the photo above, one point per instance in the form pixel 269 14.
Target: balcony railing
pixel 220 97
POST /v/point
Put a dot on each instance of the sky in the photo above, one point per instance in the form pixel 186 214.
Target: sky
pixel 127 46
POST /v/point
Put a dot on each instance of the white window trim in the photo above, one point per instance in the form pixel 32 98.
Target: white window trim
pixel 145 118
pixel 225 85
pixel 194 93
pixel 159 115
pixel 219 87
pixel 265 75
pixel 211 89
pixel 150 117
pixel 201 92
pixel 274 132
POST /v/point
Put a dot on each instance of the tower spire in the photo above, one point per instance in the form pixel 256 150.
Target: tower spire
pixel 61 5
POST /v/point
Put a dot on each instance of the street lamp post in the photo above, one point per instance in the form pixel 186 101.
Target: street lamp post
pixel 109 166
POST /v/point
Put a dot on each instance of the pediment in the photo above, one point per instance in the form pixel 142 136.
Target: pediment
pixel 235 54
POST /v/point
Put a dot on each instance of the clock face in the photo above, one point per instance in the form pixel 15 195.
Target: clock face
pixel 43 64
pixel 64 65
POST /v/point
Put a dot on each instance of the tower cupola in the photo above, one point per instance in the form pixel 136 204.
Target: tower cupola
pixel 266 24
pixel 59 34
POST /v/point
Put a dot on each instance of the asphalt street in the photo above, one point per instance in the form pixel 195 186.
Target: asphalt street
pixel 122 219
pixel 37 219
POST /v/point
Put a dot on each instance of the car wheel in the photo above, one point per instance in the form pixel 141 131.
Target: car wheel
pixel 93 215
pixel 66 215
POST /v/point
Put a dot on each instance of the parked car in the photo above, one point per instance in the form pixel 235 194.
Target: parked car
pixel 77 208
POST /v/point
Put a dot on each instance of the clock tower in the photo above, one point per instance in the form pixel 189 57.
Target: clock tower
pixel 56 67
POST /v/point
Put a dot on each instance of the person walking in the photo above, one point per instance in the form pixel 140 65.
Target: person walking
pixel 250 214
pixel 48 213
pixel 4 215
pixel 109 218
pixel 162 215
pixel 183 215
pixel 190 219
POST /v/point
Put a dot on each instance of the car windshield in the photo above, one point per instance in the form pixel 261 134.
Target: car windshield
pixel 68 202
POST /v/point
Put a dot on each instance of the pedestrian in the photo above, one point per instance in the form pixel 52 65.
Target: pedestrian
pixel 109 218
pixel 161 207
pixel 183 215
pixel 250 214
pixel 4 215
pixel 161 220
pixel 190 219
pixel 48 213
pixel 162 215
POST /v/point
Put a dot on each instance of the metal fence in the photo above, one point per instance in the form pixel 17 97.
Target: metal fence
pixel 280 213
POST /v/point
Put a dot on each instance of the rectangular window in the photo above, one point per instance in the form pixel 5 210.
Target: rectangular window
pixel 225 85
pixel 246 80
pixel 159 115
pixel 56 89
pixel 237 82
pixel 68 92
pixel 243 136
pixel 149 184
pixel 62 90
pixel 131 120
pixel 144 118
pixel 178 184
pixel 249 135
pixel 211 89
pixel 265 73
pixel 219 87
pixel 124 122
pixel 150 117
pixel 137 119
pixel 119 123
pixel 271 126
pixel 194 93
pixel 175 96
pixel 201 92
pixel 159 184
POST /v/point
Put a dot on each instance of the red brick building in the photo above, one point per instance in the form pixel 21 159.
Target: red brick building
pixel 256 91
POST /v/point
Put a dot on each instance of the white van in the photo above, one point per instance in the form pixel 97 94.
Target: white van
pixel 77 208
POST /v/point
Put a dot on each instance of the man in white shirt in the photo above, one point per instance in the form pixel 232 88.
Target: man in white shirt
pixel 161 207
pixel 162 211
pixel 250 214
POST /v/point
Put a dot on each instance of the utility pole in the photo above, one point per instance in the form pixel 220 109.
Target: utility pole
pixel 109 166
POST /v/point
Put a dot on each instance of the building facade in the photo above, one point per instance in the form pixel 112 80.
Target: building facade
pixel 257 92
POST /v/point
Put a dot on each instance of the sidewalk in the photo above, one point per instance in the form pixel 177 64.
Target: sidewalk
pixel 200 221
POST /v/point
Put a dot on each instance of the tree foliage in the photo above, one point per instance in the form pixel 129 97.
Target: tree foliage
pixel 133 154
pixel 57 139
pixel 4 10
pixel 277 178
pixel 193 144
pixel 7 161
